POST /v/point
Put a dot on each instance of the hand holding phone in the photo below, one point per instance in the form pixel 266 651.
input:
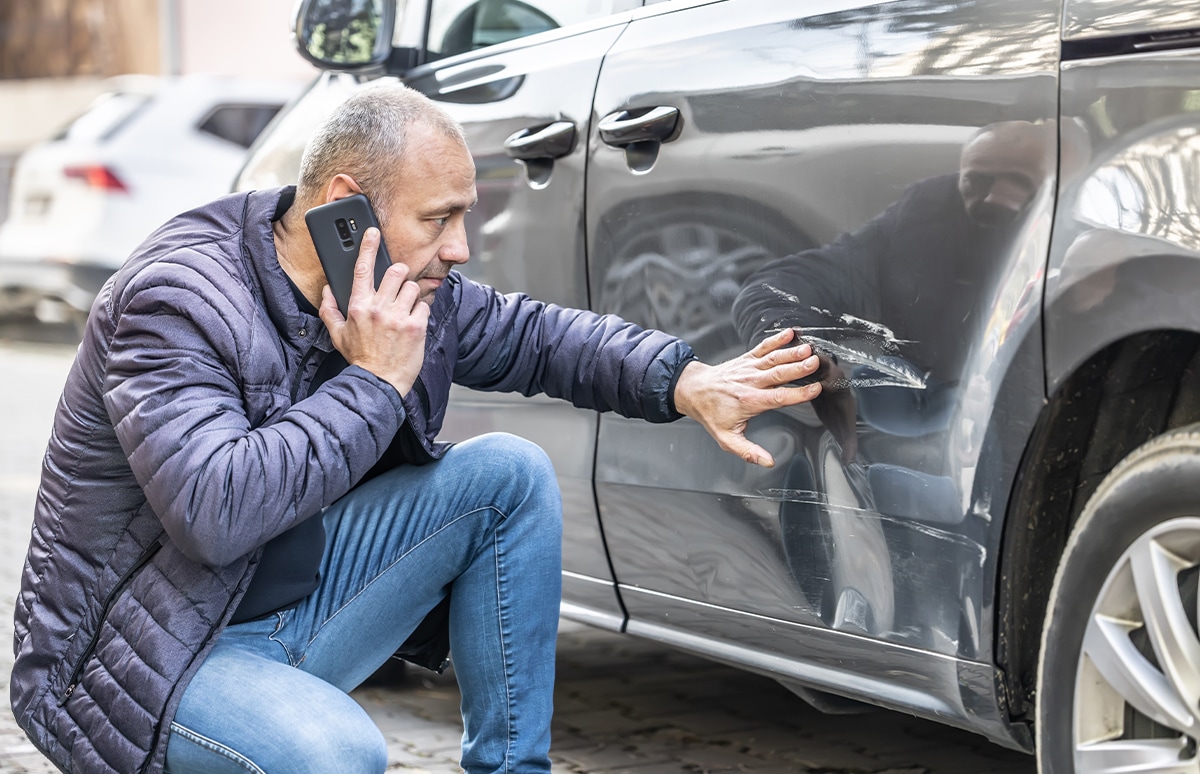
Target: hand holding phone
pixel 385 332
pixel 337 229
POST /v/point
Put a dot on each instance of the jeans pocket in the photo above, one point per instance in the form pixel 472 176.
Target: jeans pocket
pixel 279 635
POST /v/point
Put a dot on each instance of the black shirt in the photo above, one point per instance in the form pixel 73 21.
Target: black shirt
pixel 290 568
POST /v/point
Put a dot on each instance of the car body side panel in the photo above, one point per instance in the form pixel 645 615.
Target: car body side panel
pixel 834 122
pixel 948 690
pixel 1127 235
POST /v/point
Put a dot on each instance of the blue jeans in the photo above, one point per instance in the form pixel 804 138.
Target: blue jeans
pixel 484 524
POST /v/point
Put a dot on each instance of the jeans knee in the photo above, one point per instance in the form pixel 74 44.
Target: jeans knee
pixel 519 451
pixel 516 463
pixel 313 746
pixel 521 479
pixel 345 744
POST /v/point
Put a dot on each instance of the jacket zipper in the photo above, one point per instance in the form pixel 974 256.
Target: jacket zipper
pixel 422 395
pixel 300 372
pixel 108 604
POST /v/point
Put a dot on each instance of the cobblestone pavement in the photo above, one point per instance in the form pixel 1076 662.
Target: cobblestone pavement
pixel 622 705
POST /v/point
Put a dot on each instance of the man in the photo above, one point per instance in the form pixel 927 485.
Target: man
pixel 244 510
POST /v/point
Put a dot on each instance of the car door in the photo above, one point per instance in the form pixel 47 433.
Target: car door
pixel 519 77
pixel 829 165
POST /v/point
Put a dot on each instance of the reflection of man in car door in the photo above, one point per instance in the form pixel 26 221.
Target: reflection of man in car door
pixel 893 308
pixel 894 305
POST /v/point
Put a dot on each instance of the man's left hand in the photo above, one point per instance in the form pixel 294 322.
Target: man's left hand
pixel 723 398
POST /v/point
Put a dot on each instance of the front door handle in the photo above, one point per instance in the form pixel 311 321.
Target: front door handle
pixel 626 127
pixel 541 142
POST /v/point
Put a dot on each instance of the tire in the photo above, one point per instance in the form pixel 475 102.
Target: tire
pixel 1119 674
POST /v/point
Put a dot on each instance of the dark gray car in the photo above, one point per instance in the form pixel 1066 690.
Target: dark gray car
pixel 986 215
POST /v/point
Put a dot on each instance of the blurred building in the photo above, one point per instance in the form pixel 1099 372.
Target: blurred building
pixel 97 38
pixel 68 38
pixel 54 54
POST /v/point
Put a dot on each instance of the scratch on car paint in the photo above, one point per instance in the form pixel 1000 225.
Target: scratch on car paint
pixel 982 508
pixel 868 351
pixel 820 498
pixel 877 328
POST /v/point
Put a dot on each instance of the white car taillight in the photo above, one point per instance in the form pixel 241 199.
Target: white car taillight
pixel 97 176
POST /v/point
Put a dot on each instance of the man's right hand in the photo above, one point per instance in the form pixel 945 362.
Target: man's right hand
pixel 383 330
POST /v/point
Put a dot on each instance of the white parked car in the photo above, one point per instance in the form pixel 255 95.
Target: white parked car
pixel 146 150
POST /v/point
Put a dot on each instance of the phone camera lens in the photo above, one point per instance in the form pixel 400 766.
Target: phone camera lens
pixel 342 228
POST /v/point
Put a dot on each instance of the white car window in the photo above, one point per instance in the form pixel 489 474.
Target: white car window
pixel 239 124
pixel 456 26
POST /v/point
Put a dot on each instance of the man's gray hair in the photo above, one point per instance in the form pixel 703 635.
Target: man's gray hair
pixel 365 139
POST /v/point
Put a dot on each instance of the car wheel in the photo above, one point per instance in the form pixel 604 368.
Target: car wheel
pixel 1119 676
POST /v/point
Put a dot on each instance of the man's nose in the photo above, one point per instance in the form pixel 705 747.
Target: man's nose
pixel 455 249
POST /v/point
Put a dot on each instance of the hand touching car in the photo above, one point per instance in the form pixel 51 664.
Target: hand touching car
pixel 724 397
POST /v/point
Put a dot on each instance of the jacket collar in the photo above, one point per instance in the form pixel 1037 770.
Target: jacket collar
pixel 262 209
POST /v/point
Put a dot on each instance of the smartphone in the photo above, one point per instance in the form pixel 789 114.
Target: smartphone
pixel 337 230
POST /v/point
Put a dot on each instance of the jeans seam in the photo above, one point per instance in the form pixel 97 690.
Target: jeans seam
pixel 504 649
pixel 392 564
pixel 216 748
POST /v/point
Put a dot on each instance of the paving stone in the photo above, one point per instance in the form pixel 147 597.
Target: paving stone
pixel 421 769
pixel 811 754
pixel 706 723
pixel 566 741
pixel 605 722
pixel 657 768
pixel 610 755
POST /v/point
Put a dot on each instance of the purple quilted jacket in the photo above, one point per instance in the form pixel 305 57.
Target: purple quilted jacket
pixel 186 438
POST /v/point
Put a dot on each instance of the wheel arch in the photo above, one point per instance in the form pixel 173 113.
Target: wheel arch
pixel 1123 394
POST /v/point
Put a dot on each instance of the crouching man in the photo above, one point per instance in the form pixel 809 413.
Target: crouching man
pixel 244 510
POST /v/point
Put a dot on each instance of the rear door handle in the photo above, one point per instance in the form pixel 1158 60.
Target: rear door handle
pixel 625 127
pixel 542 142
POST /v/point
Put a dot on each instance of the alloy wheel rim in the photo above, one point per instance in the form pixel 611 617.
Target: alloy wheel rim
pixel 1137 684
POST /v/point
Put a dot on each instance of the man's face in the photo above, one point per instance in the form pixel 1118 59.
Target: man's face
pixel 1000 172
pixel 424 221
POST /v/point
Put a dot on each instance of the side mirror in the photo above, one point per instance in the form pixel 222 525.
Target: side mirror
pixel 346 35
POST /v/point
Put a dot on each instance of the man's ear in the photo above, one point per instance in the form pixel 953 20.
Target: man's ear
pixel 340 186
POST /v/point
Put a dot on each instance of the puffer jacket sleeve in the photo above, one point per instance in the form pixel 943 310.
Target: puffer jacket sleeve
pixel 174 386
pixel 515 343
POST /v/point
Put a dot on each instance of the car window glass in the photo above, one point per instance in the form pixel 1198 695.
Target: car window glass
pixel 239 124
pixel 104 118
pixel 456 26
